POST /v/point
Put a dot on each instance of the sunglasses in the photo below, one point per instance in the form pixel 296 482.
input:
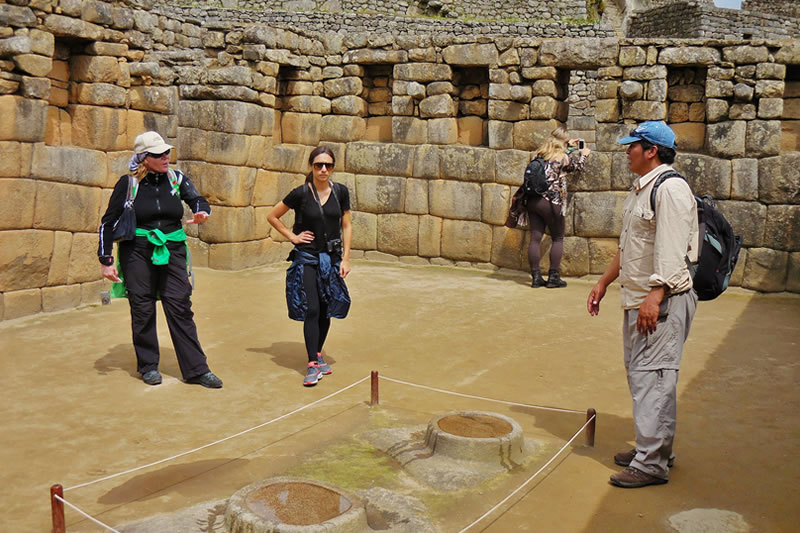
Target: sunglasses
pixel 158 156
pixel 320 166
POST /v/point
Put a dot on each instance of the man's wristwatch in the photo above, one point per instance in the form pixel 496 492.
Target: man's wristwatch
pixel 106 260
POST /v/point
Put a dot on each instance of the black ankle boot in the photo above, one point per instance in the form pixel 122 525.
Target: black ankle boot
pixel 538 280
pixel 554 280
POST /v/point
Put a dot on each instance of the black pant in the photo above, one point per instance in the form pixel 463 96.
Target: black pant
pixel 541 213
pixel 145 282
pixel 317 323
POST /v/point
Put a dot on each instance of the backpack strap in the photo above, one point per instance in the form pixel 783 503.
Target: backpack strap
pixel 672 173
pixel 133 187
pixel 175 180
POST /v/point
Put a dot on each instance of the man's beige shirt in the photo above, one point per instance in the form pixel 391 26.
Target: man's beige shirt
pixel 654 246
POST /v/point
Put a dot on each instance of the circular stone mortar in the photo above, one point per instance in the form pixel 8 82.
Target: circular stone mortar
pixel 293 505
pixel 476 436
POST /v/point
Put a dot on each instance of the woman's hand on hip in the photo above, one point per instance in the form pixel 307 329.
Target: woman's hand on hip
pixel 110 272
pixel 344 268
pixel 303 238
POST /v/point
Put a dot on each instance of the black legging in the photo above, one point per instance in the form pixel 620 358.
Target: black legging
pixel 541 213
pixel 317 323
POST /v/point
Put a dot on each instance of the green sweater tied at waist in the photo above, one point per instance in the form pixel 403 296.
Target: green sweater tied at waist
pixel 159 239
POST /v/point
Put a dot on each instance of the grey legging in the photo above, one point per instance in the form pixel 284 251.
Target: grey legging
pixel 541 213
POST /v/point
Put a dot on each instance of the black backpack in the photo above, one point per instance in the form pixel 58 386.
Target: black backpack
pixel 535 182
pixel 719 252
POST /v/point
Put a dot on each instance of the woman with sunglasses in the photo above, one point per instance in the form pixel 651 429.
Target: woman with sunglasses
pixel 153 264
pixel 322 233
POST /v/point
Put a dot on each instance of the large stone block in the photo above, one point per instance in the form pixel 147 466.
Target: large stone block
pixel 61 298
pixel 744 179
pixel 430 236
pixel 99 128
pixel 584 53
pixel 19 196
pixel 229 224
pixel 141 121
pixel 689 56
pixel 595 176
pixel 341 128
pixel 17 304
pixel 23 119
pixel 601 254
pixel 380 194
pixel 379 129
pixel 62 26
pixel 426 161
pixel 495 204
pixel 223 184
pixel 598 214
pixel 466 241
pixel 272 187
pixel 505 110
pixel 227 116
pixel 472 131
pixel 467 163
pixel 83 265
pixel 409 130
pixel 379 158
pixel 59 261
pixel 706 175
pixel 793 277
pixel 398 234
pixel 621 176
pixel 641 110
pixel 501 134
pixel 301 128
pixel 365 230
pixel 763 138
pixel 726 139
pixel 85 207
pixel 607 110
pixel 510 248
pixel 33 64
pixel 71 165
pixel 443 130
pixel 783 227
pixel 100 94
pixel 94 69
pixel 192 144
pixel 416 197
pixel 351 85
pixel 307 104
pixel 645 73
pixel 455 200
pixel 690 136
pixel 438 106
pixel 745 54
pixel 154 98
pixel 369 56
pixel 471 54
pixel 779 179
pixel 350 105
pixel 576 257
pixel 510 166
pixel 530 134
pixel 289 158
pixel 747 219
pixel 765 270
pixel 423 72
pixel 241 255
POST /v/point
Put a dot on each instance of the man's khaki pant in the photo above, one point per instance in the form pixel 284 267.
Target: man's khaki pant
pixel 652 363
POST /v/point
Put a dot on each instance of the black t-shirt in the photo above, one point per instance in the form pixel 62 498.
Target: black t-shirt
pixel 310 219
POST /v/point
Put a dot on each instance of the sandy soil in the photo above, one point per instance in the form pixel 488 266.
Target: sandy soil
pixel 75 408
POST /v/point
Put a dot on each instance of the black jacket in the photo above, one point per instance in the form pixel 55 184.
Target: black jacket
pixel 156 206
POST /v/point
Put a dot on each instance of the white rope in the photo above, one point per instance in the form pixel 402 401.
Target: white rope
pixel 504 500
pixel 220 440
pixel 96 521
pixel 481 397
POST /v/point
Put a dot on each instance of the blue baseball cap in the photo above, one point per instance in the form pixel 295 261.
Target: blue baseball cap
pixel 655 132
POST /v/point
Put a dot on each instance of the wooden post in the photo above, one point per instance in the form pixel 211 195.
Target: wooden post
pixel 591 427
pixel 57 509
pixel 373 400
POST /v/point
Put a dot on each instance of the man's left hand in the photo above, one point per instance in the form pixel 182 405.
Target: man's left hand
pixel 648 312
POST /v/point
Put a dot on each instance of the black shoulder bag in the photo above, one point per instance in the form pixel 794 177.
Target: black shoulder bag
pixel 125 226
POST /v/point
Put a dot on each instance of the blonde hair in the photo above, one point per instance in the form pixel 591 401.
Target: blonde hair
pixel 556 146
pixel 141 172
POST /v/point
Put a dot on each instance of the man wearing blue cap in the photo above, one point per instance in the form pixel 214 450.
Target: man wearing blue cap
pixel 657 299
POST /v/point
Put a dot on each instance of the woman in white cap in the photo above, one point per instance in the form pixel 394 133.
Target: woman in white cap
pixel 152 265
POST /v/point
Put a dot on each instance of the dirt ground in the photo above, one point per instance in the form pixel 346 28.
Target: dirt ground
pixel 75 409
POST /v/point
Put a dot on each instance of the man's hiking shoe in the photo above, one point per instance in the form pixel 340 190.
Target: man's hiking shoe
pixel 633 478
pixel 626 458
pixel 324 367
pixel 313 374
pixel 153 377
pixel 208 380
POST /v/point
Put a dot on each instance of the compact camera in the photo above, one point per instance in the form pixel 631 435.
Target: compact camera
pixel 581 144
pixel 334 246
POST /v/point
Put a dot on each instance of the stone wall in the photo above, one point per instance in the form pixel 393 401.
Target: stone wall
pixel 431 131
pixel 785 8
pixel 698 19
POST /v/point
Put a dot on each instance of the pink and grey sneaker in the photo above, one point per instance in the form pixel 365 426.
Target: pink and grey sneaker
pixel 324 367
pixel 313 374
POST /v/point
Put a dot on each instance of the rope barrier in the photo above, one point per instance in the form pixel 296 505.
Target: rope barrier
pixel 96 521
pixel 481 397
pixel 504 500
pixel 218 441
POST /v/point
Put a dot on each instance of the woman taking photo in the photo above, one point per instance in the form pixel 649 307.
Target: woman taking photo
pixel 152 264
pixel 322 233
pixel 550 209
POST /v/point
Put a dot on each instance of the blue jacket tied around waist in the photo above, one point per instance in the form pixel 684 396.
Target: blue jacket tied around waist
pixel 332 289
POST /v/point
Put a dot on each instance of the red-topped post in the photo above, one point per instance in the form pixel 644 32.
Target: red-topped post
pixel 57 509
